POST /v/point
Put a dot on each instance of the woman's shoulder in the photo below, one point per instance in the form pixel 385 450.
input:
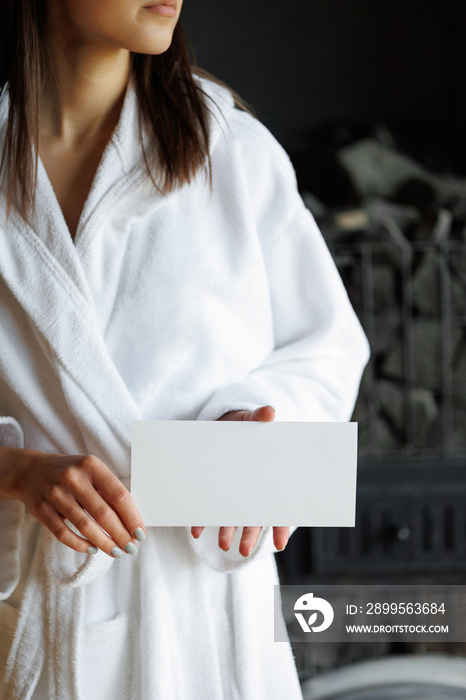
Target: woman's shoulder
pixel 246 151
pixel 233 127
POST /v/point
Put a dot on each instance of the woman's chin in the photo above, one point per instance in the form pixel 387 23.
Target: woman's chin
pixel 152 45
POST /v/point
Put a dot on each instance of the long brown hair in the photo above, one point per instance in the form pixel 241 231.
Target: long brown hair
pixel 172 105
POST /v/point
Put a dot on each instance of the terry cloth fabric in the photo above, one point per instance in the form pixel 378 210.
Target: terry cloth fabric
pixel 182 306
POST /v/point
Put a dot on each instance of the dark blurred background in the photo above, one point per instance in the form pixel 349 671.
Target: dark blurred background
pixel 302 63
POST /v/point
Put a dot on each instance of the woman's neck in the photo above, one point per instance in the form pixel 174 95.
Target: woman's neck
pixel 84 90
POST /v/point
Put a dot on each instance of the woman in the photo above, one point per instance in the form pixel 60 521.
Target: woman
pixel 166 269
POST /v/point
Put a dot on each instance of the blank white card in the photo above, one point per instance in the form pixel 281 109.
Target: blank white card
pixel 214 473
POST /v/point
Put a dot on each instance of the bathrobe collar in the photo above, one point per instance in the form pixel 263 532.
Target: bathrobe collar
pixel 121 170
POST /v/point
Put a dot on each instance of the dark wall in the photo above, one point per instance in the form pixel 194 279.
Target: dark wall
pixel 302 62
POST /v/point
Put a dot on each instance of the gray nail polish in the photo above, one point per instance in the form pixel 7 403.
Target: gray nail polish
pixel 117 552
pixel 139 534
pixel 92 550
pixel 131 548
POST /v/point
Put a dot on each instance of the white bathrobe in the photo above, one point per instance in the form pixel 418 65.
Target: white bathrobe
pixel 182 306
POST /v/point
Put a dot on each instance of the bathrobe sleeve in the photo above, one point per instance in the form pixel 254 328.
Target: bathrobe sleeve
pixel 314 370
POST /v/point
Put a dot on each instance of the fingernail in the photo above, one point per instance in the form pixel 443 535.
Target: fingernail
pixel 92 550
pixel 117 552
pixel 139 534
pixel 131 548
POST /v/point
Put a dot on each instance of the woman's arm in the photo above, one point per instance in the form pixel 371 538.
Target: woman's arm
pixel 320 349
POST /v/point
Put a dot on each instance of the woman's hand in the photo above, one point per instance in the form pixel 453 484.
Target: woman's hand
pixel 79 488
pixel 250 534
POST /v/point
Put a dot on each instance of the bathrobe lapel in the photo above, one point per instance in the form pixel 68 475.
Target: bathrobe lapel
pixel 47 290
pixel 42 269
